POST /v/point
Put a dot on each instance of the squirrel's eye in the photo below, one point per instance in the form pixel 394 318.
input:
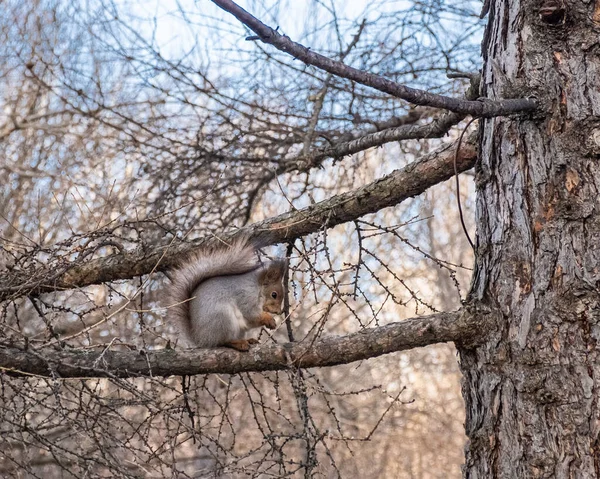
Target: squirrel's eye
pixel 274 295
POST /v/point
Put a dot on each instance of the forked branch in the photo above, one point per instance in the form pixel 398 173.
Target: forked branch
pixel 412 95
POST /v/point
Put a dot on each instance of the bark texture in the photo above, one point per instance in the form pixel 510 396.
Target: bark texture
pixel 531 390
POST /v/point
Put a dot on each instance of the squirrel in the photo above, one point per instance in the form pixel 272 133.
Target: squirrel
pixel 221 293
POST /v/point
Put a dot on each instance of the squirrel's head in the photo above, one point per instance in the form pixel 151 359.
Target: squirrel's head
pixel 273 289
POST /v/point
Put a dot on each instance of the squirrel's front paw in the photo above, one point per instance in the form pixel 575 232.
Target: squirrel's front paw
pixel 252 341
pixel 270 323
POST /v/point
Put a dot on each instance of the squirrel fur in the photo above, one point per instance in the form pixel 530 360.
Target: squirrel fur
pixel 217 295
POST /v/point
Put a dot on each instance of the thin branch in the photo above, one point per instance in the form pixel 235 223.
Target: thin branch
pixel 390 190
pixel 413 95
pixel 458 203
pixel 461 326
pixel 436 129
pixel 320 97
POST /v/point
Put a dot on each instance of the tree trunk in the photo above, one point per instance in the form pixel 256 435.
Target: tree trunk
pixel 531 391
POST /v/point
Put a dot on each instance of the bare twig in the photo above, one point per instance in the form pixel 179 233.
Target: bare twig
pixel 460 211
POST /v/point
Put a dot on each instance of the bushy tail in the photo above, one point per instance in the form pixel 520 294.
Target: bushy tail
pixel 238 258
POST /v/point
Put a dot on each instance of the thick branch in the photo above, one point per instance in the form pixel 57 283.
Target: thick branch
pixel 390 190
pixel 462 326
pixel 413 95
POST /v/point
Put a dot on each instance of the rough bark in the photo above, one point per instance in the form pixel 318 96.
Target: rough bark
pixel 388 191
pixel 465 326
pixel 531 390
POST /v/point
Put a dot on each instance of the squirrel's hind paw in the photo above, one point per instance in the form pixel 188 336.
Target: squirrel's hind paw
pixel 238 344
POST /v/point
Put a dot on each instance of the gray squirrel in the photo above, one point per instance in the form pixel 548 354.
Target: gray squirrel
pixel 221 293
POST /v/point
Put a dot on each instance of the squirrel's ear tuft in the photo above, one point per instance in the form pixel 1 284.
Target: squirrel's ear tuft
pixel 274 271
